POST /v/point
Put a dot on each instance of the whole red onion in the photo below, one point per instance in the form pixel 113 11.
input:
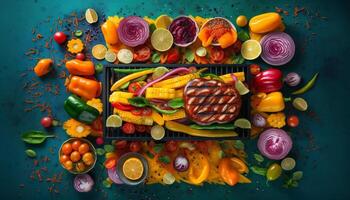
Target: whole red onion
pixel 83 183
pixel 274 143
pixel 292 79
pixel 133 31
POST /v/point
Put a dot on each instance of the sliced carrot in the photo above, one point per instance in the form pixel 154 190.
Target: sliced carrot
pixel 163 58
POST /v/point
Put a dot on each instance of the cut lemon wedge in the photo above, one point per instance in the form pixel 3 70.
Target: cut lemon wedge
pixel 114 121
pixel 163 21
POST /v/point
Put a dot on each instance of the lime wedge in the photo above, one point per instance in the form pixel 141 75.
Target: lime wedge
pixel 114 121
pixel 201 51
pixel 110 56
pixel 243 123
pixel 251 49
pixel 163 21
pixel 162 39
pixel 241 88
pixel 159 71
pixel 300 104
pixel 125 56
pixel 288 164
pixel 91 16
pixel 157 132
pixel 168 178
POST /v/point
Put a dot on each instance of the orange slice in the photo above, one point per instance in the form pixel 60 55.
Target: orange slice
pixel 133 168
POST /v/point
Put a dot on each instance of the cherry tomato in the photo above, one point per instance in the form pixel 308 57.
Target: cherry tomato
pixel 217 54
pixel 171 146
pixel 64 158
pixel 121 144
pixel 128 128
pixel 173 56
pixel 254 69
pixel 46 122
pixel 135 146
pixel 97 126
pixel 88 158
pixel 99 141
pixel 80 56
pixel 83 148
pixel 142 53
pixel 80 167
pixel 134 87
pixel 76 144
pixel 124 107
pixel 140 128
pixel 147 112
pixel 293 121
pixel 68 165
pixel 137 111
pixel 60 37
pixel 66 149
pixel 110 163
pixel 75 156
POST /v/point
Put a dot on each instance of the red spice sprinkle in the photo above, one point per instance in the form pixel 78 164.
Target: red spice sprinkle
pixel 36 162
pixel 279 10
pixel 297 10
pixel 39 36
pixel 44 169
pixel 38 173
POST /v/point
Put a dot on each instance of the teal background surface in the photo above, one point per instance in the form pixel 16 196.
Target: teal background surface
pixel 321 142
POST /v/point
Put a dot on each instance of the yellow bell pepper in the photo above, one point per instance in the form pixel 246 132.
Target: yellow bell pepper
pixel 199 169
pixel 129 117
pixel 176 82
pixel 157 118
pixel 272 102
pixel 277 120
pixel 227 78
pixel 130 77
pixel 109 31
pixel 266 22
pixel 177 127
pixel 160 93
pixel 178 115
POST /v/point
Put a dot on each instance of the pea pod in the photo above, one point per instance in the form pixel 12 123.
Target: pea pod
pixel 308 85
pixel 129 71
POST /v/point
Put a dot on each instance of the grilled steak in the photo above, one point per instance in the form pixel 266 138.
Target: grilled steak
pixel 211 101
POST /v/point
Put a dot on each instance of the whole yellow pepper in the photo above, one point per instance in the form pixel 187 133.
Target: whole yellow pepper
pixel 272 102
pixel 265 22
pixel 109 31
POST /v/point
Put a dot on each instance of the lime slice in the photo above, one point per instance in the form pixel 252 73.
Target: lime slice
pixel 300 104
pixel 157 132
pixel 161 39
pixel 243 123
pixel 163 21
pixel 110 56
pixel 201 51
pixel 288 164
pixel 99 51
pixel 114 121
pixel 78 33
pixel 91 16
pixel 251 49
pixel 159 71
pixel 241 88
pixel 125 56
pixel 168 178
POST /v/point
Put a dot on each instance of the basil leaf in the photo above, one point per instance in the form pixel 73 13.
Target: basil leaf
pixel 158 148
pixel 239 145
pixel 100 151
pixel 108 148
pixel 164 159
pixel 98 68
pixel 149 154
pixel 189 55
pixel 298 175
pixel 259 158
pixel 176 103
pixel 163 111
pixel 237 59
pixel 138 102
pixel 35 137
pixel 155 58
pixel 259 170
pixel 30 153
pixel 243 36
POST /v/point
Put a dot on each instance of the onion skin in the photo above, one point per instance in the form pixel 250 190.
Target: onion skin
pixel 275 143
pixel 181 163
pixel 83 183
pixel 133 31
pixel 278 48
pixel 292 79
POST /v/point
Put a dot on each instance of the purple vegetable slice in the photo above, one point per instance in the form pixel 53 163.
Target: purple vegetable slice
pixel 275 143
pixel 112 174
pixel 184 30
pixel 133 31
pixel 83 183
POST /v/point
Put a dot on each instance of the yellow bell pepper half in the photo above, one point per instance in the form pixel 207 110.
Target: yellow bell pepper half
pixel 272 102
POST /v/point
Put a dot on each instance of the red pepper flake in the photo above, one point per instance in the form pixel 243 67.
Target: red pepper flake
pixel 50 188
pixel 285 12
pixel 44 169
pixel 36 162
pixel 298 10
pixel 38 173
pixel 31 51
pixel 278 10
pixel 39 36
pixel 46 159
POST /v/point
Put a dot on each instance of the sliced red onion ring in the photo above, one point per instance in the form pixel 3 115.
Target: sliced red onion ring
pixel 133 31
pixel 274 143
pixel 278 48
pixel 83 183
pixel 112 174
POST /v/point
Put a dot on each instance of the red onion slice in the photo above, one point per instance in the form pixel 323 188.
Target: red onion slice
pixel 184 30
pixel 83 183
pixel 112 174
pixel 133 31
pixel 274 143
pixel 278 48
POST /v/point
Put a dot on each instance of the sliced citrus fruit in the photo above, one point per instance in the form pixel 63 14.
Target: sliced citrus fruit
pixel 201 51
pixel 243 123
pixel 251 49
pixel 157 132
pixel 288 164
pixel 162 39
pixel 91 16
pixel 99 51
pixel 241 88
pixel 168 178
pixel 300 104
pixel 133 168
pixel 125 56
pixel 110 56
pixel 163 21
pixel 114 121
pixel 159 71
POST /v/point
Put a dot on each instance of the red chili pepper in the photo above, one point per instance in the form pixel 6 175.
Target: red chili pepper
pixel 268 81
pixel 122 106
pixel 173 56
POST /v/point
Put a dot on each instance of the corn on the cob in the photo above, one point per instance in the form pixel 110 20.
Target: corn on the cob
pixel 178 115
pixel 227 78
pixel 121 97
pixel 179 93
pixel 160 93
pixel 176 82
pixel 129 117
pixel 157 118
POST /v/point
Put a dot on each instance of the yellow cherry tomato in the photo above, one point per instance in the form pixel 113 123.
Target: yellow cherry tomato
pixel 241 21
pixel 83 148
pixel 68 165
pixel 75 156
pixel 88 158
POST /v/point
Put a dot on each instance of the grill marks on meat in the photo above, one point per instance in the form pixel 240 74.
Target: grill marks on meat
pixel 211 101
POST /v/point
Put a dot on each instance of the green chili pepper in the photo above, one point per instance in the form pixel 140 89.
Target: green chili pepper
pixel 79 110
pixel 308 85
pixel 163 111
pixel 214 126
pixel 129 71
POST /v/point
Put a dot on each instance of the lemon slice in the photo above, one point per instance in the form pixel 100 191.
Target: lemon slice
pixel 251 49
pixel 241 88
pixel 157 132
pixel 110 56
pixel 125 56
pixel 163 21
pixel 168 178
pixel 99 51
pixel 114 121
pixel 91 16
pixel 133 168
pixel 161 39
pixel 242 123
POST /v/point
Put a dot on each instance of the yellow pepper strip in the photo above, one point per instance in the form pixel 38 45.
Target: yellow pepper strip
pixel 227 78
pixel 277 120
pixel 130 77
pixel 121 97
pixel 160 93
pixel 265 22
pixel 199 169
pixel 178 115
pixel 129 117
pixel 176 82
pixel 157 118
pixel 272 102
pixel 177 127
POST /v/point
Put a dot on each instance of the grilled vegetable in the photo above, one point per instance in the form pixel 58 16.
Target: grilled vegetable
pixel 130 77
pixel 227 78
pixel 160 93
pixel 157 118
pixel 129 117
pixel 120 97
pixel 177 82
pixel 177 115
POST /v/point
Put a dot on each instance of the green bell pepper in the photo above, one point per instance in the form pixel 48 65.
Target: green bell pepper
pixel 79 110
